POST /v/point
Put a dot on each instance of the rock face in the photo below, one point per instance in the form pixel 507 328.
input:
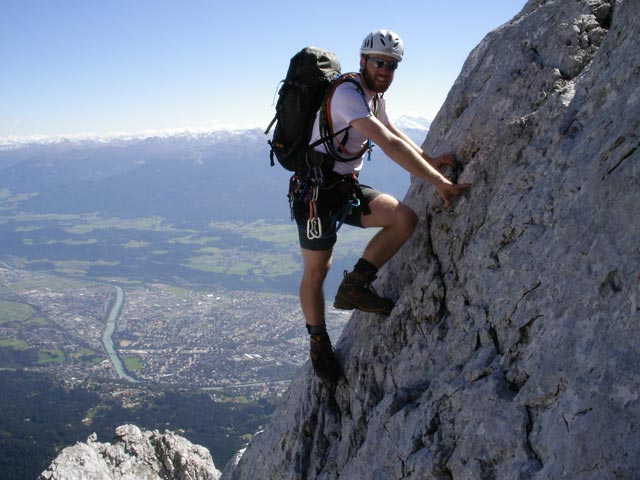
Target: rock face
pixel 513 349
pixel 134 455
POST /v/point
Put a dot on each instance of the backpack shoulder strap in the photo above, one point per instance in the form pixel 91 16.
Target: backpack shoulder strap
pixel 326 124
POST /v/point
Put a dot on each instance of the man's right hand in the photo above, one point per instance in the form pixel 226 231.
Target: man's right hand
pixel 438 162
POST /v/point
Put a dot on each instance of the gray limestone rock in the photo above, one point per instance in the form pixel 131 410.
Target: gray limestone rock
pixel 134 455
pixel 513 349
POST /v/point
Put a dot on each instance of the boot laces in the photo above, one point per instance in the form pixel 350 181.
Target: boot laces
pixel 366 284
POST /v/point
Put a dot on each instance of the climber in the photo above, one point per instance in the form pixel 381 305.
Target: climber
pixel 342 199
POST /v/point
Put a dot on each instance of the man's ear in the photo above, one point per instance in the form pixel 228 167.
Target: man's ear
pixel 363 61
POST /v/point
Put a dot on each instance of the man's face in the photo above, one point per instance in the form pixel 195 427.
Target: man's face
pixel 377 71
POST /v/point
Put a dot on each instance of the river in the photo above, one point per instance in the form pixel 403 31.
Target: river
pixel 112 321
pixel 107 341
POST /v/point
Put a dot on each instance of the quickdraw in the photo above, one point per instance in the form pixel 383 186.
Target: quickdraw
pixel 306 190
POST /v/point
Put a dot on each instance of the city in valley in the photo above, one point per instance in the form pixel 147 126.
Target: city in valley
pixel 151 281
pixel 163 335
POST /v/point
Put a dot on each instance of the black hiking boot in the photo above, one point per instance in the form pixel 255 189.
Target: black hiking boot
pixel 356 291
pixel 323 358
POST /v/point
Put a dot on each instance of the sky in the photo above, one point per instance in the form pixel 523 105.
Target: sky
pixel 114 67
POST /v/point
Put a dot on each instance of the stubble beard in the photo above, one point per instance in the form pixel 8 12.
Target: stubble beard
pixel 373 85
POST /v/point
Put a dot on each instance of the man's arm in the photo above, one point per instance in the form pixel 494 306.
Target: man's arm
pixel 435 162
pixel 408 155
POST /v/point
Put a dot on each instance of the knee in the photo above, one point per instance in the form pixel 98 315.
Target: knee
pixel 314 277
pixel 408 220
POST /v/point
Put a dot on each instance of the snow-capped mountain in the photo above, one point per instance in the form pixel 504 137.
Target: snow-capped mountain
pixel 406 123
pixel 413 123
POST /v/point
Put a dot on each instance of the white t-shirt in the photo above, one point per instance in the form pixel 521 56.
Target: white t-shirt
pixel 347 105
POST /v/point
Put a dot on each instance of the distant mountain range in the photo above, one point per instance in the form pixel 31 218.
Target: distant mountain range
pixel 415 127
pixel 218 175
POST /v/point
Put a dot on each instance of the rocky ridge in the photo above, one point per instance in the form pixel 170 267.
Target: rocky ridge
pixel 512 351
pixel 134 455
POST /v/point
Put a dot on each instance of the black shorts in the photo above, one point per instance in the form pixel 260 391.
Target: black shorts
pixel 333 208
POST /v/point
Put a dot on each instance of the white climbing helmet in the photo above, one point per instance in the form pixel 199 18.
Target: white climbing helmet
pixel 383 42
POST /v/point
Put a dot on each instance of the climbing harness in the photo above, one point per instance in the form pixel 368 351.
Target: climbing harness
pixel 305 191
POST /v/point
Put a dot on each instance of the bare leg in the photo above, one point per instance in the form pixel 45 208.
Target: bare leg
pixel 315 268
pixel 397 221
pixel 323 359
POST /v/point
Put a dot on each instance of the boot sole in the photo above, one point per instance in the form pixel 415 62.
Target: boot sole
pixel 342 305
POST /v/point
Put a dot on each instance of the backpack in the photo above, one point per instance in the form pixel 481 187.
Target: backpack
pixel 311 74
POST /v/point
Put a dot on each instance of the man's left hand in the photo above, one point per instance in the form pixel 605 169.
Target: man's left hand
pixel 447 191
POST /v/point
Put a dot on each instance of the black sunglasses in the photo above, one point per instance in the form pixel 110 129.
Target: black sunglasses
pixel 379 63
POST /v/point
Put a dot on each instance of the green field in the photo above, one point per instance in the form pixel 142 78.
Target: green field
pixel 132 363
pixel 39 282
pixel 179 292
pixel 15 312
pixel 252 255
pixel 193 240
pixel 14 344
pixel 136 244
pixel 93 222
pixel 73 242
pixel 87 356
pixel 260 230
pixel 47 356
